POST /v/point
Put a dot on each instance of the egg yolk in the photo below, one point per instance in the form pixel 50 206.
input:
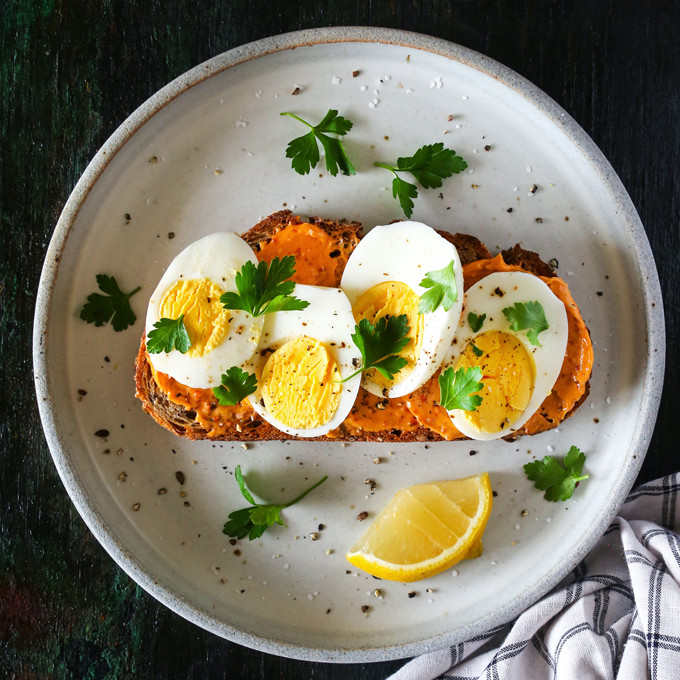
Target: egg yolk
pixel 393 298
pixel 206 320
pixel 508 374
pixel 299 384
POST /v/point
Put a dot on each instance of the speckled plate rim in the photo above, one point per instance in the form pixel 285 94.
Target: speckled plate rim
pixel 652 380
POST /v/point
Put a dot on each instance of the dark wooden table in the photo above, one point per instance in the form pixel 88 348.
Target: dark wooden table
pixel 70 72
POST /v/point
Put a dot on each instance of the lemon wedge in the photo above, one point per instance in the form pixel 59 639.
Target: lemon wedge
pixel 425 529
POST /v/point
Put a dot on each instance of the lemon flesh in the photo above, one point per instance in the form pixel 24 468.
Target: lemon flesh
pixel 425 529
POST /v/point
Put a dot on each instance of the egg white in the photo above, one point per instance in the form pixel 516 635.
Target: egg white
pixel 328 319
pixel 548 357
pixel 217 257
pixel 405 252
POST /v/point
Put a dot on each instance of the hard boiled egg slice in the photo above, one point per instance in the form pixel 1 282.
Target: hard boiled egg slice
pixel 383 277
pixel 517 375
pixel 192 286
pixel 302 357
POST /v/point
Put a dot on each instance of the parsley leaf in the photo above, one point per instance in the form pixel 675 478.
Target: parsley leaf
pixel 380 344
pixel 457 388
pixel 113 306
pixel 265 289
pixel 304 151
pixel 235 387
pixel 253 521
pixel 168 334
pixel 476 322
pixel 558 482
pixel 443 290
pixel 527 315
pixel 478 352
pixel 430 165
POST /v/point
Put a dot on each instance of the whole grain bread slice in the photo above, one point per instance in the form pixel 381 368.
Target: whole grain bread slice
pixel 246 425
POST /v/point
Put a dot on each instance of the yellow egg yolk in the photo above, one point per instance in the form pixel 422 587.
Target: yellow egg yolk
pixel 508 374
pixel 206 320
pixel 299 384
pixel 393 298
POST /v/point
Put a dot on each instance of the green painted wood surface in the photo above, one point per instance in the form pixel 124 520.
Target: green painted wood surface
pixel 70 72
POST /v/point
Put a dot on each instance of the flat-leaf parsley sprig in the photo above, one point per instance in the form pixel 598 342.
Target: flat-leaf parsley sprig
pixel 443 290
pixel 265 289
pixel 380 344
pixel 304 150
pixel 556 480
pixel 114 305
pixel 235 386
pixel 531 315
pixel 254 520
pixel 457 388
pixel 168 334
pixel 430 165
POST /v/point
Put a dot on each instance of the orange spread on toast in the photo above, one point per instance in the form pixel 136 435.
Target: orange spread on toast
pixel 315 253
pixel 316 262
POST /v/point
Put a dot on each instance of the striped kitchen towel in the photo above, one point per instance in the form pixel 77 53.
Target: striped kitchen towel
pixel 616 616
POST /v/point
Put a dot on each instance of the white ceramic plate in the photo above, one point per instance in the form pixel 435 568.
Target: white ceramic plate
pixel 207 153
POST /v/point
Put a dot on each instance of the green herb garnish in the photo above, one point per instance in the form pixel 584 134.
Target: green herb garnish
pixel 478 352
pixel 557 481
pixel 475 322
pixel 442 290
pixel 265 289
pixel 429 165
pixel 254 520
pixel 235 387
pixel 114 305
pixel 380 344
pixel 304 151
pixel 527 315
pixel 168 334
pixel 457 388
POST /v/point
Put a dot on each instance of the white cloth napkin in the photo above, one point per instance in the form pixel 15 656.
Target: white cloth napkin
pixel 616 616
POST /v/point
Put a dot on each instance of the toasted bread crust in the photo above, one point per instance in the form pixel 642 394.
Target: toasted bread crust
pixel 249 426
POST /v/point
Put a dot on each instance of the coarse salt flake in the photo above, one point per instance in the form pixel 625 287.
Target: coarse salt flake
pixel 336 81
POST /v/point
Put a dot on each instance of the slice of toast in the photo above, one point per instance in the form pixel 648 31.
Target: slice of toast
pixel 244 423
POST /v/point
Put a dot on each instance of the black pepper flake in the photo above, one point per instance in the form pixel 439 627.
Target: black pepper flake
pixel 362 516
pixel 533 189
pixel 499 292
pixel 509 210
pixel 599 293
pixel 171 235
pixel 232 541
pixel 554 263
pixel 494 494
pixel 237 552
pixel 82 393
pixel 297 90
pixel 334 253
pixel 412 594
pixel 487 147
pixel 127 216
pixel 355 74
pixel 162 491
pixel 365 608
pixel 136 506
pixel 101 433
pixel 179 476
pixel 473 453
pixel 107 360
pixel 321 527
pixel 596 420
pixel 539 220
